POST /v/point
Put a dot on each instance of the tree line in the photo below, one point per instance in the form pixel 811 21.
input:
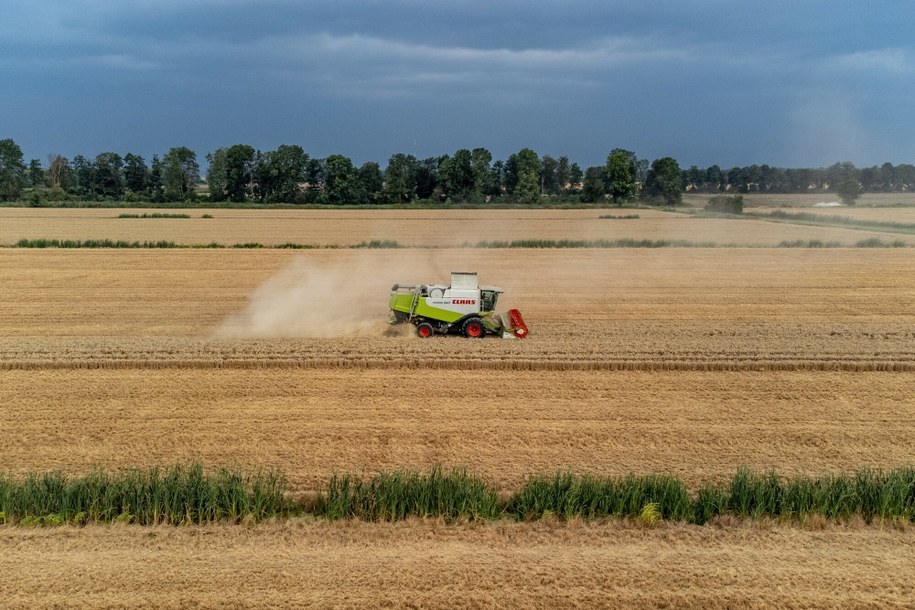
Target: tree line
pixel 241 174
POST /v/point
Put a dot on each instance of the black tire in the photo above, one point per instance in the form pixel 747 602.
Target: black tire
pixel 473 328
pixel 424 330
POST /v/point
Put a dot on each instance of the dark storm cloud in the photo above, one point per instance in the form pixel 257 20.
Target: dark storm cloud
pixel 706 81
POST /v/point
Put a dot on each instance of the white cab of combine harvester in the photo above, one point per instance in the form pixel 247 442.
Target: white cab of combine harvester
pixel 462 296
pixel 464 280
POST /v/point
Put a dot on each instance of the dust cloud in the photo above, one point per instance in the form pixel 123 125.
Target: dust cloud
pixel 310 298
pixel 331 294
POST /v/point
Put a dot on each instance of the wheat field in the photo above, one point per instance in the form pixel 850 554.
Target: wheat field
pixel 688 361
pixel 418 228
pixel 418 564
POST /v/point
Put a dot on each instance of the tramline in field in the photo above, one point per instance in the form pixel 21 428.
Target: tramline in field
pixel 463 307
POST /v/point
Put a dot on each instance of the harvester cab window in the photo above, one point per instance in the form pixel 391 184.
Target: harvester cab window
pixel 488 300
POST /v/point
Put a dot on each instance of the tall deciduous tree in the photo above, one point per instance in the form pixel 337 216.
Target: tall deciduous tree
pixel 59 173
pixel 887 175
pixel 575 177
pixel 497 179
pixel 12 170
pixel 216 174
pixel 108 183
pixel 281 173
pixel 849 190
pixel 563 174
pixel 904 177
pixel 480 158
pixel 314 179
pixel 549 175
pixel 714 178
pixel 641 170
pixel 36 174
pixel 84 173
pixel 511 174
pixel 180 173
pixel 339 180
pixel 400 178
pixel 136 174
pixel 620 170
pixel 664 182
pixel 845 180
pixel 594 187
pixel 239 164
pixel 427 178
pixel 528 167
pixel 456 175
pixel 156 190
pixel 369 184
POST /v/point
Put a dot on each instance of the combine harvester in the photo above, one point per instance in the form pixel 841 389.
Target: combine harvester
pixel 464 308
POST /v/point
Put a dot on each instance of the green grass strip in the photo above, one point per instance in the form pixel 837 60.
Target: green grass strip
pixel 186 495
pixel 591 243
pixel 872 242
pixel 93 243
pixel 158 215
pixel 176 496
pixel 809 218
pixel 589 497
pixel 870 494
pixel 396 496
pixel 386 244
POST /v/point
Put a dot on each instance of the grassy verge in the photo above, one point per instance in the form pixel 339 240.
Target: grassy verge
pixel 822 220
pixel 592 243
pixel 176 496
pixel 388 244
pixel 872 242
pixel 187 495
pixel 93 243
pixel 158 215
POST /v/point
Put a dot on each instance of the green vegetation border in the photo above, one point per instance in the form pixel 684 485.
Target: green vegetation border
pixel 387 244
pixel 186 495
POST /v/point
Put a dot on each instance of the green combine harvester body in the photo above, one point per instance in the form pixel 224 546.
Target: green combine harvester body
pixel 463 307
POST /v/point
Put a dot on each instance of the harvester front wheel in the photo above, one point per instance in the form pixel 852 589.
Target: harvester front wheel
pixel 473 328
pixel 424 330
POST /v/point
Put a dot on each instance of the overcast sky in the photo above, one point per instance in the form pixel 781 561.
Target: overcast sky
pixel 791 83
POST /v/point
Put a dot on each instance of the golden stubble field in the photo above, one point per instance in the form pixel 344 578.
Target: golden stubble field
pixel 430 565
pixel 688 361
